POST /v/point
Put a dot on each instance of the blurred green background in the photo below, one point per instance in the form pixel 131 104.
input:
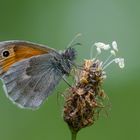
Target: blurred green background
pixel 55 23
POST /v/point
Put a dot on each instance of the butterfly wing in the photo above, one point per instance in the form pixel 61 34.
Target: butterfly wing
pixel 19 50
pixel 28 74
pixel 29 82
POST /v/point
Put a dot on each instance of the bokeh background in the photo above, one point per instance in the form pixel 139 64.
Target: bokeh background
pixel 55 23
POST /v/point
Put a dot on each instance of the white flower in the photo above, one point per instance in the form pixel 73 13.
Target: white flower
pixel 99 44
pixel 120 62
pixel 117 60
pixel 107 47
pixel 98 50
pixel 104 76
pixel 115 46
pixel 113 52
pixel 102 45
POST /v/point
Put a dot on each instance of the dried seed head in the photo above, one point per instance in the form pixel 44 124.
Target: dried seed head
pixel 84 100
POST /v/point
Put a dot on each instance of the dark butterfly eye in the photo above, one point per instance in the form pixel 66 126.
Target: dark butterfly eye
pixel 5 53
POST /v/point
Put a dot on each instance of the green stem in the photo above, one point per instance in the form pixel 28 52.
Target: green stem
pixel 73 135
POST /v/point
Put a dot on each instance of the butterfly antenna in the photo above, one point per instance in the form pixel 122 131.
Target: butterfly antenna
pixel 75 44
pixel 71 42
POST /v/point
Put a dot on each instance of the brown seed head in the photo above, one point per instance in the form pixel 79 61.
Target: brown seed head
pixel 85 99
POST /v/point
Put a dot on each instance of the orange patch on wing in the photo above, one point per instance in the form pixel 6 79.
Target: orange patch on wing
pixel 18 53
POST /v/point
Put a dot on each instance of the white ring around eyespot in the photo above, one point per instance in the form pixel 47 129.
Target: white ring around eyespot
pixel 4 51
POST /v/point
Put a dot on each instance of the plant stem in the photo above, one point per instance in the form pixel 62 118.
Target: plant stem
pixel 73 135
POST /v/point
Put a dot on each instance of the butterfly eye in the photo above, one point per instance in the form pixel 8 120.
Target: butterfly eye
pixel 5 53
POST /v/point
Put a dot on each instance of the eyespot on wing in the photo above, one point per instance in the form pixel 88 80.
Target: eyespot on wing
pixel 15 51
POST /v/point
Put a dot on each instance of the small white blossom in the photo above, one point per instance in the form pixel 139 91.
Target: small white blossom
pixel 104 76
pixel 120 62
pixel 99 44
pixel 115 46
pixel 107 47
pixel 98 50
pixel 102 45
pixel 113 52
pixel 104 73
pixel 117 60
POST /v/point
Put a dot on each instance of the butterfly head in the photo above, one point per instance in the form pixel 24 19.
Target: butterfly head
pixel 69 53
pixel 65 62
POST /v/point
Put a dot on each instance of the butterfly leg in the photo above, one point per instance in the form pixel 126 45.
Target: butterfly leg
pixel 65 80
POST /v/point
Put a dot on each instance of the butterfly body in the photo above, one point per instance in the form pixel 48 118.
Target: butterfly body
pixel 31 71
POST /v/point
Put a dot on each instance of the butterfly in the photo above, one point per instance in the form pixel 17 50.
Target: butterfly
pixel 31 71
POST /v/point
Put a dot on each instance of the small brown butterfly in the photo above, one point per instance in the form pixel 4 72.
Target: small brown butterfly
pixel 31 71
